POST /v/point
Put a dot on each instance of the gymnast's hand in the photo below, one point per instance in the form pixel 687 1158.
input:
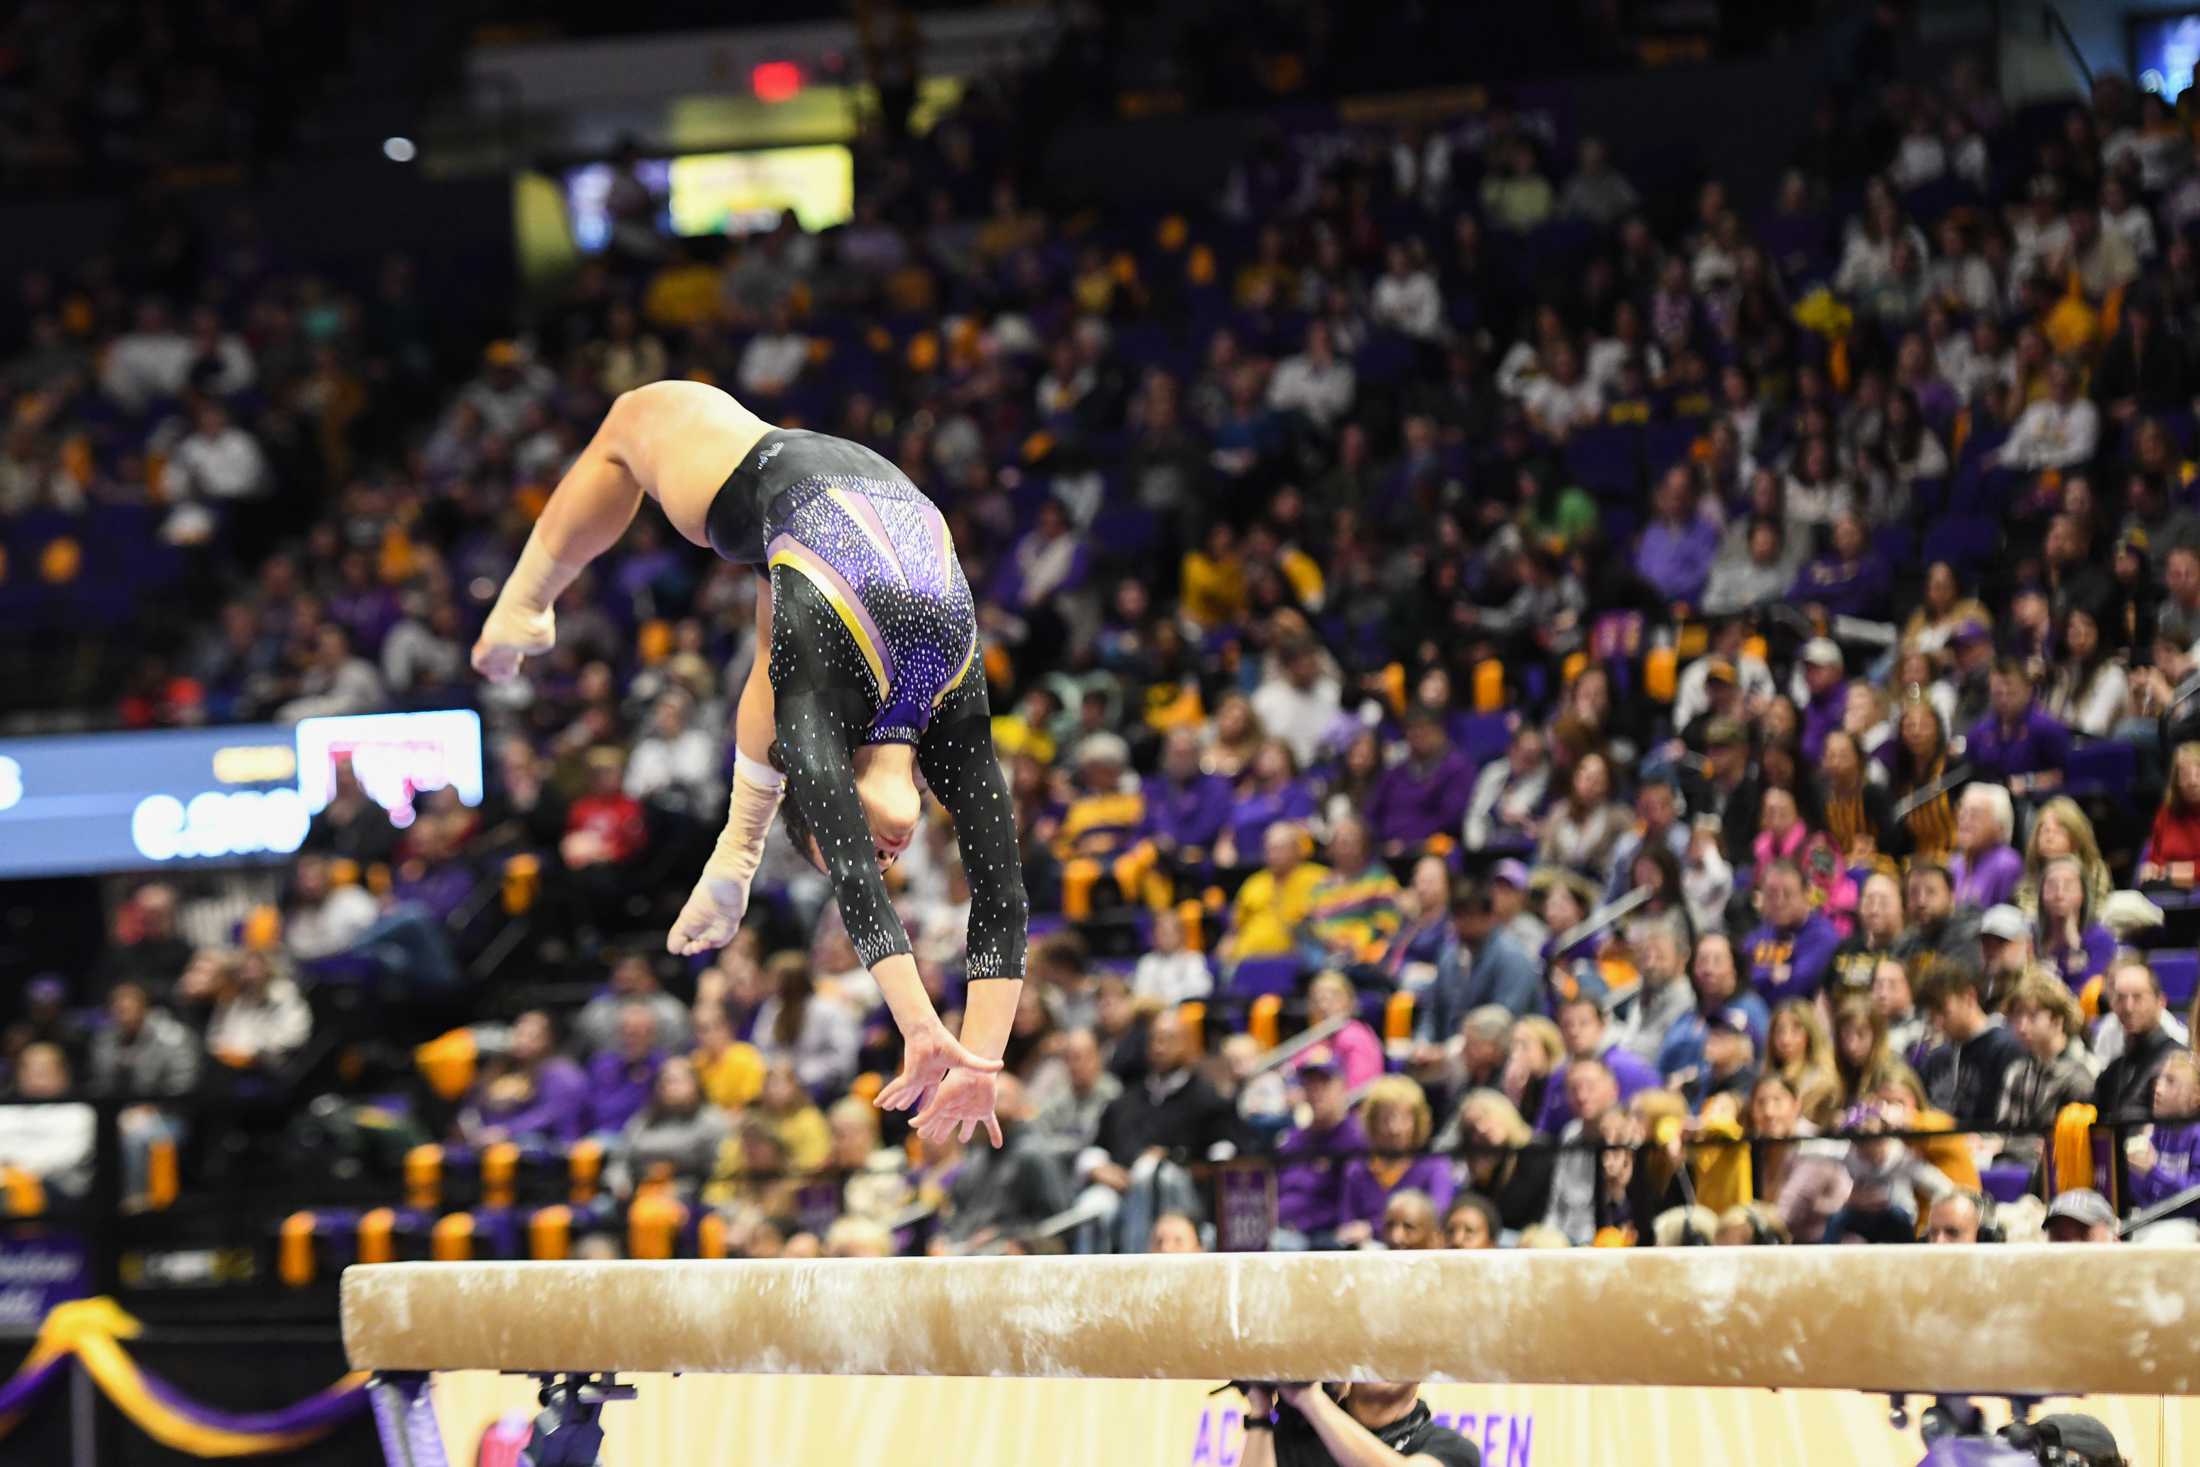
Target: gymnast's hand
pixel 511 634
pixel 966 1099
pixel 928 1053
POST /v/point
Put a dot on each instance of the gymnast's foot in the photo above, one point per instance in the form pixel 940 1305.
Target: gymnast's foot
pixel 710 918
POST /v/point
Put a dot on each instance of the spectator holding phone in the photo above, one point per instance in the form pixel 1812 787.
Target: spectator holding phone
pixel 2165 1157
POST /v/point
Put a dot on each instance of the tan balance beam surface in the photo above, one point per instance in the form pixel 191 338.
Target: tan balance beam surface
pixel 2061 1320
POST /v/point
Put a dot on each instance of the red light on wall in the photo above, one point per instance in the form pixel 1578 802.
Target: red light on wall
pixel 776 81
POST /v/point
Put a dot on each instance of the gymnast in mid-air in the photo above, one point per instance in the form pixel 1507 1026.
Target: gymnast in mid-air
pixel 867 673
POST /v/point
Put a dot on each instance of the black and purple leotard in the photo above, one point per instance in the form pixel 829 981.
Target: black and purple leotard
pixel 874 640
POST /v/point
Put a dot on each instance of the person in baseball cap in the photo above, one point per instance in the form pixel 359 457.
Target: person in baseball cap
pixel 1312 1157
pixel 2081 1215
pixel 1320 1062
pixel 1508 894
pixel 1971 634
pixel 1730 1047
pixel 1825 677
pixel 1103 751
pixel 1722 699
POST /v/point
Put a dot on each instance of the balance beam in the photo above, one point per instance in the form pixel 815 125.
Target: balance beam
pixel 2068 1319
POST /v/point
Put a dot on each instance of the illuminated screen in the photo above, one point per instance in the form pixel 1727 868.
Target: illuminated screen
pixel 2164 49
pixel 722 193
pixel 89 804
pixel 395 756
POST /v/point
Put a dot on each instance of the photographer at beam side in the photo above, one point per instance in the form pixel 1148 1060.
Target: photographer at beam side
pixel 1371 1424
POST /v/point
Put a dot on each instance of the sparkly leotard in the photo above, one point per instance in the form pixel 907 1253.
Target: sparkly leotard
pixel 874 640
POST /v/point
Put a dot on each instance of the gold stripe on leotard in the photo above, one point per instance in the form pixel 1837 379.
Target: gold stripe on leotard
pixel 829 585
pixel 970 660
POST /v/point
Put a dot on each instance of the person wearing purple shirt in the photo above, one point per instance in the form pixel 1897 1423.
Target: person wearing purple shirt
pixel 538 1098
pixel 1986 869
pixel 1824 674
pixel 1582 1026
pixel 2079 963
pixel 1789 956
pixel 365 609
pixel 2017 743
pixel 2069 940
pixel 620 1078
pixel 1422 796
pixel 1050 560
pixel 1675 551
pixel 649 569
pixel 1185 808
pixel 1850 579
pixel 1271 791
pixel 1396 1118
pixel 2166 1161
pixel 1311 1160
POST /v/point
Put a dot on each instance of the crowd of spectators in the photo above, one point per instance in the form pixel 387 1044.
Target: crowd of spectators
pixel 1379 575
pixel 108 94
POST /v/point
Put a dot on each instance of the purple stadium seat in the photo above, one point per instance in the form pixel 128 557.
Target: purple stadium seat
pixel 2102 768
pixel 2180 975
pixel 1965 541
pixel 1486 736
pixel 1666 444
pixel 1606 461
pixel 1256 976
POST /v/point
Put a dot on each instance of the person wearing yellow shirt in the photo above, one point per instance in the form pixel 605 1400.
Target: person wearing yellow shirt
pixel 1270 277
pixel 732 1073
pixel 799 1124
pixel 1212 586
pixel 1275 899
pixel 1102 826
pixel 1027 730
pixel 1107 815
pixel 684 293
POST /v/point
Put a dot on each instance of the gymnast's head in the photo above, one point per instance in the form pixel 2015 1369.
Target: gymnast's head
pixel 893 807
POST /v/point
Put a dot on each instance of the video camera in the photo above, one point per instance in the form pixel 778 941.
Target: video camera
pixel 1956 1436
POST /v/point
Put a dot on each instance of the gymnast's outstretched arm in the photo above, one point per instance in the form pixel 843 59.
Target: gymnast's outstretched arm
pixel 959 763
pixel 817 727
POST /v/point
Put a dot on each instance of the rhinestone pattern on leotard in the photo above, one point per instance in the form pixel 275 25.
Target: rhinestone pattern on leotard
pixel 877 554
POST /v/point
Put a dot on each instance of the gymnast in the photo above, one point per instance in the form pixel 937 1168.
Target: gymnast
pixel 866 674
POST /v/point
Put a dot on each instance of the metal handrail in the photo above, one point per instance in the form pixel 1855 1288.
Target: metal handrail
pixel 1298 1044
pixel 2167 1207
pixel 2058 29
pixel 1086 1209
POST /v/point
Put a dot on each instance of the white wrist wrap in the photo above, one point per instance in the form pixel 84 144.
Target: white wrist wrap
pixel 756 772
pixel 748 821
pixel 538 579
